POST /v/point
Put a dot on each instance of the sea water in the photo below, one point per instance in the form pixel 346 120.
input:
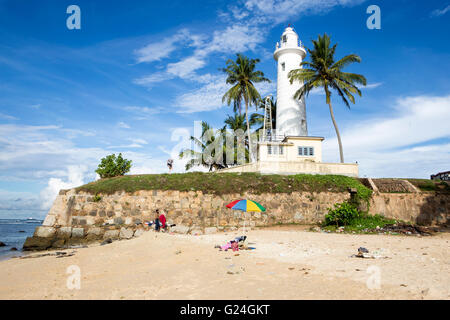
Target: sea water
pixel 13 233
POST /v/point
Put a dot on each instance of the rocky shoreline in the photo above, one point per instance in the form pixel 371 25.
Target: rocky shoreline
pixel 46 238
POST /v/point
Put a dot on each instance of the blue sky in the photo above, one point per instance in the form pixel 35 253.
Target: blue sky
pixel 139 73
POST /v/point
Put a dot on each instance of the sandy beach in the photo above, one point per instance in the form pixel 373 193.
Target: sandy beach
pixel 287 263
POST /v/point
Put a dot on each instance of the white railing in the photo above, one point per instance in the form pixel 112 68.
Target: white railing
pixel 270 135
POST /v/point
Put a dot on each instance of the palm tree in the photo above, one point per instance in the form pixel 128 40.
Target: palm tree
pixel 236 122
pixel 205 157
pixel 241 74
pixel 324 72
pixel 258 118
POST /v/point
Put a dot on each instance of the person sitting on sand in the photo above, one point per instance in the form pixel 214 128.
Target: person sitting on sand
pixel 162 219
pixel 238 242
pixel 157 222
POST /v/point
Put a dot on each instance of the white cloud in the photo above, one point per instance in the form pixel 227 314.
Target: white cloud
pixel 123 125
pixel 76 176
pixel 372 85
pixel 206 98
pixel 158 50
pixel 209 96
pixel 402 144
pixel 278 11
pixel 185 68
pixel 235 38
pixel 440 12
pixel 7 117
pixel 143 112
pixel 161 49
pixel 153 78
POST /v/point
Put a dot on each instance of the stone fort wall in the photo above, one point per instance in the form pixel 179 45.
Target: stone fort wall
pixel 79 217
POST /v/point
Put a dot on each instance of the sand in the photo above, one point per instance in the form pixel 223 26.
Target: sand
pixel 286 264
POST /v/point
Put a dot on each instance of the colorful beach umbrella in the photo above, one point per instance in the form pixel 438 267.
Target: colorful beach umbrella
pixel 246 205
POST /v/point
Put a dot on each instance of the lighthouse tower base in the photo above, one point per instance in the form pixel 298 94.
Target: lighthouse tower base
pixel 293 155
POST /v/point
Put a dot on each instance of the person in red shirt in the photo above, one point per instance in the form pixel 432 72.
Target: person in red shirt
pixel 162 219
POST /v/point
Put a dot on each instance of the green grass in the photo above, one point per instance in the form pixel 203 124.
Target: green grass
pixel 431 185
pixel 364 224
pixel 226 183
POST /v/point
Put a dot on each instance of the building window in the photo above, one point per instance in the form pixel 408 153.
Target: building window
pixel 284 39
pixel 275 150
pixel 306 151
pixel 283 66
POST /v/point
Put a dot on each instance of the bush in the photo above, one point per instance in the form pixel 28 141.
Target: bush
pixel 342 214
pixel 113 167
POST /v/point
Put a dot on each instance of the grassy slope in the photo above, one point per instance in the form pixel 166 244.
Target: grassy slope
pixel 225 183
pixel 431 185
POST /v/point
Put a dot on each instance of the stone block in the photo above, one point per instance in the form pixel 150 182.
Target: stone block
pixel 77 233
pixel 64 233
pixel 111 234
pixel 95 231
pixel 45 232
pixel 37 243
pixel 118 220
pixel 59 244
pixel 49 221
pixel 139 232
pixel 126 233
pixel 180 229
pixel 210 230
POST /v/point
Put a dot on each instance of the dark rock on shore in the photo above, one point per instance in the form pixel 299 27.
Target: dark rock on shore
pixel 107 241
pixel 37 243
pixel 2 244
pixel 13 249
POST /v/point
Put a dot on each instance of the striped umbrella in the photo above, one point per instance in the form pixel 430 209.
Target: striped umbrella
pixel 246 206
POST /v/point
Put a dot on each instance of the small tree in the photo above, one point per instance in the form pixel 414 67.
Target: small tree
pixel 113 167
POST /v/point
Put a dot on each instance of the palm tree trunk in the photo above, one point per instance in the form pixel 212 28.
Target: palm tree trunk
pixel 341 152
pixel 248 133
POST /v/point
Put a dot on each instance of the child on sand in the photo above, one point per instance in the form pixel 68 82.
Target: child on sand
pixel 157 225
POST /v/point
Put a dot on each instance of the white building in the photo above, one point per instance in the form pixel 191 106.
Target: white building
pixel 289 149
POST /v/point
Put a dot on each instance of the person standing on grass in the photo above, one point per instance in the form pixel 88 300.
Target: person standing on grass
pixel 170 165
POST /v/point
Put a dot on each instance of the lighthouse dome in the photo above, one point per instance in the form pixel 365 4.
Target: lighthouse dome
pixel 289 38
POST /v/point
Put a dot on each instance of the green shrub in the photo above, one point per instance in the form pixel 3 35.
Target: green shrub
pixel 96 198
pixel 113 167
pixel 342 214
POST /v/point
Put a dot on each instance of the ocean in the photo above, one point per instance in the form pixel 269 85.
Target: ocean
pixel 13 233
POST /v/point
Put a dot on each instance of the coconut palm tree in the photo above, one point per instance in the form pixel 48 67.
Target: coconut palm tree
pixel 235 123
pixel 206 157
pixel 241 74
pixel 324 72
pixel 258 118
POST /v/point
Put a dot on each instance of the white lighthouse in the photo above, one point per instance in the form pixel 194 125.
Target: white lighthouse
pixel 289 150
pixel 291 113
